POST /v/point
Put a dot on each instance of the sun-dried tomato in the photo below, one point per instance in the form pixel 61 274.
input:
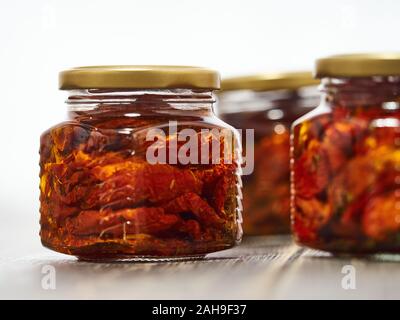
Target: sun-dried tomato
pixel 122 222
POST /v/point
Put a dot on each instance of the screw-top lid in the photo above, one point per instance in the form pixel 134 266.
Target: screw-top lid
pixel 138 77
pixel 358 65
pixel 270 81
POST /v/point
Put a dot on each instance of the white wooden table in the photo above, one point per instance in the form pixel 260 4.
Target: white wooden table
pixel 261 268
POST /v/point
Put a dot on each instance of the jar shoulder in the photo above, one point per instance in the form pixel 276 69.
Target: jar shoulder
pixel 124 133
pixel 321 111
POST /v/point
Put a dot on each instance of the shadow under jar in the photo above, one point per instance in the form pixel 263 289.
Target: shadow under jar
pixel 127 177
pixel 267 103
pixel 346 158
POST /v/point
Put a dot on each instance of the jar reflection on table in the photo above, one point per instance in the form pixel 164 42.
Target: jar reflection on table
pixel 346 158
pixel 267 103
pixel 101 196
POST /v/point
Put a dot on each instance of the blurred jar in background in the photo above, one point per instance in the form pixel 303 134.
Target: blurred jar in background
pixel 346 158
pixel 267 103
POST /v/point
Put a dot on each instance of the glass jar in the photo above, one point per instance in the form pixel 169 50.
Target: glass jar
pixel 125 177
pixel 267 103
pixel 346 158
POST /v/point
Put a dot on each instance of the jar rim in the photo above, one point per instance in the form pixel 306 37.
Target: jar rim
pixel 270 81
pixel 358 65
pixel 139 77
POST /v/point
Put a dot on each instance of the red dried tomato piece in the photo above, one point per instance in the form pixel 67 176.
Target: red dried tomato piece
pixel 315 213
pixel 122 222
pixel 340 139
pixel 192 203
pixel 135 182
pixel 311 171
pixel 381 219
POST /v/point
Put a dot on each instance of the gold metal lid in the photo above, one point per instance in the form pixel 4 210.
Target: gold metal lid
pixel 270 81
pixel 358 65
pixel 138 77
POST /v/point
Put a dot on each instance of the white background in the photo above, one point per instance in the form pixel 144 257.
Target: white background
pixel 39 38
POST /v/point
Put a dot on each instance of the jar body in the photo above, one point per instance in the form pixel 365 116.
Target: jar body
pixel 346 168
pixel 266 191
pixel 101 197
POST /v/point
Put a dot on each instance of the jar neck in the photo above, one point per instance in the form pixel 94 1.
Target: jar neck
pixel 153 101
pixel 361 92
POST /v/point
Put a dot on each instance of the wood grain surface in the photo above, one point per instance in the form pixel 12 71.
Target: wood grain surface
pixel 260 268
